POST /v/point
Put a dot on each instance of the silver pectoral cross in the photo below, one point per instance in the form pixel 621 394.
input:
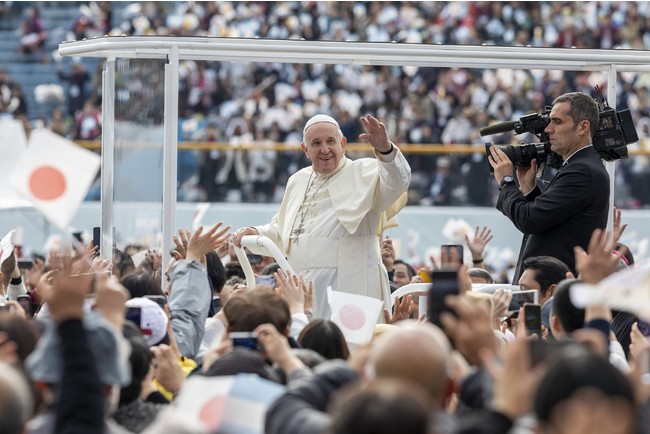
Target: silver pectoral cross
pixel 298 231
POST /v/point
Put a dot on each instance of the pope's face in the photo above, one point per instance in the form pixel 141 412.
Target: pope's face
pixel 324 146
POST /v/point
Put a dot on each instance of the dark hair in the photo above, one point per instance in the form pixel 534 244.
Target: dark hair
pixel 382 407
pixel 571 317
pixel 242 361
pixel 253 307
pixel 216 271
pixel 141 283
pixel 234 269
pixel 409 267
pixel 23 332
pixel 581 107
pixel 624 250
pixel 122 263
pixel 326 338
pixel 548 271
pixel 571 374
pixel 270 269
pixel 140 361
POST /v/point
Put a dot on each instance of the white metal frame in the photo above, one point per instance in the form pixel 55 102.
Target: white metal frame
pixel 259 242
pixel 175 49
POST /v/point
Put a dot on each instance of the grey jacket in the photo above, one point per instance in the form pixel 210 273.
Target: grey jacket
pixel 189 303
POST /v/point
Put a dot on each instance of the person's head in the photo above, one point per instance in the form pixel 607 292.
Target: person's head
pixel 626 258
pixel 233 284
pixel 403 273
pixel 480 276
pixel 542 273
pixel 141 283
pixel 234 269
pixel 565 317
pixel 323 143
pixel 140 361
pixel 418 353
pixel 122 264
pixel 216 271
pixel 22 332
pixel 574 119
pixel 380 407
pixel 585 386
pixel 324 337
pixel 16 404
pixel 242 361
pixel 253 307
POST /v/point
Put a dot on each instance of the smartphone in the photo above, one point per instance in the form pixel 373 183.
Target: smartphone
pixel 134 314
pixel 160 299
pixel 452 251
pixel 533 319
pixel 25 263
pixel 443 283
pixel 547 351
pixel 25 301
pixel 244 339
pixel 97 238
pixel 265 280
pixel 519 298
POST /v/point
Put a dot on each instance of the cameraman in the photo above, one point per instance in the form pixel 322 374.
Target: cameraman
pixel 577 199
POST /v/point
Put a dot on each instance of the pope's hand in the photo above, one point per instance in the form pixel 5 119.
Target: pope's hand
pixel 243 232
pixel 375 134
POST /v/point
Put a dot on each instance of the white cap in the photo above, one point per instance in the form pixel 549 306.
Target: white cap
pixel 318 119
pixel 153 319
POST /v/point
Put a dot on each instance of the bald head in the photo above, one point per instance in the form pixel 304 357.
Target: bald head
pixel 415 352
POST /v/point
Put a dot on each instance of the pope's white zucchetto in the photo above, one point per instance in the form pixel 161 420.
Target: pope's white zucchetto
pixel 318 119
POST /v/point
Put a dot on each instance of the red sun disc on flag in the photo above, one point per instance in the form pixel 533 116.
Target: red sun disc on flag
pixel 352 316
pixel 47 183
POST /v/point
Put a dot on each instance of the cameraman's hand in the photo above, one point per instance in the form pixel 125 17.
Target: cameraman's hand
pixel 526 177
pixel 500 163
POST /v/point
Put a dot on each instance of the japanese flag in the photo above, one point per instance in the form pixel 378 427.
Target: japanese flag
pixel 356 315
pixel 54 174
pixel 13 144
pixel 6 245
pixel 627 290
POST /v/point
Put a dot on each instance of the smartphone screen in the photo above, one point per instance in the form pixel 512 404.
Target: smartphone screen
pixel 443 283
pixel 533 319
pixel 519 298
pixel 160 299
pixel 244 339
pixel 26 303
pixel 97 238
pixel 452 251
pixel 25 263
pixel 265 280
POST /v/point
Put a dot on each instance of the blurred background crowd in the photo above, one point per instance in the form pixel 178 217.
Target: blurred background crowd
pixel 266 104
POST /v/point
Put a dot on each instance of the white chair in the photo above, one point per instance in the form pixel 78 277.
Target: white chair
pixel 410 289
pixel 264 245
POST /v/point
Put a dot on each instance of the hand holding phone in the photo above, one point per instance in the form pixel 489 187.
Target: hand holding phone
pixel 451 255
pixel 443 283
pixel 244 339
pixel 533 319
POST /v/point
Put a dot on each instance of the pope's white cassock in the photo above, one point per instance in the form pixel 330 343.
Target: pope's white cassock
pixel 330 226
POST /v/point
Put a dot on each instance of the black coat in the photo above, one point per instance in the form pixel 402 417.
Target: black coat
pixel 575 203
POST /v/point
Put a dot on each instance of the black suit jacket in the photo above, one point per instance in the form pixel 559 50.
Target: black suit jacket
pixel 564 216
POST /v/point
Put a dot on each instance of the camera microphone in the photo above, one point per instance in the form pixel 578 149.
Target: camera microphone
pixel 501 127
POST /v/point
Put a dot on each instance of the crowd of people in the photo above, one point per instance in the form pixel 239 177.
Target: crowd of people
pixel 90 345
pixel 263 104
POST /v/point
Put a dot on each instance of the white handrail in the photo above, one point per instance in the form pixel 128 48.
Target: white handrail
pixel 258 242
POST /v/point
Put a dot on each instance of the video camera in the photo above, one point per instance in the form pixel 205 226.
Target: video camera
pixel 615 131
